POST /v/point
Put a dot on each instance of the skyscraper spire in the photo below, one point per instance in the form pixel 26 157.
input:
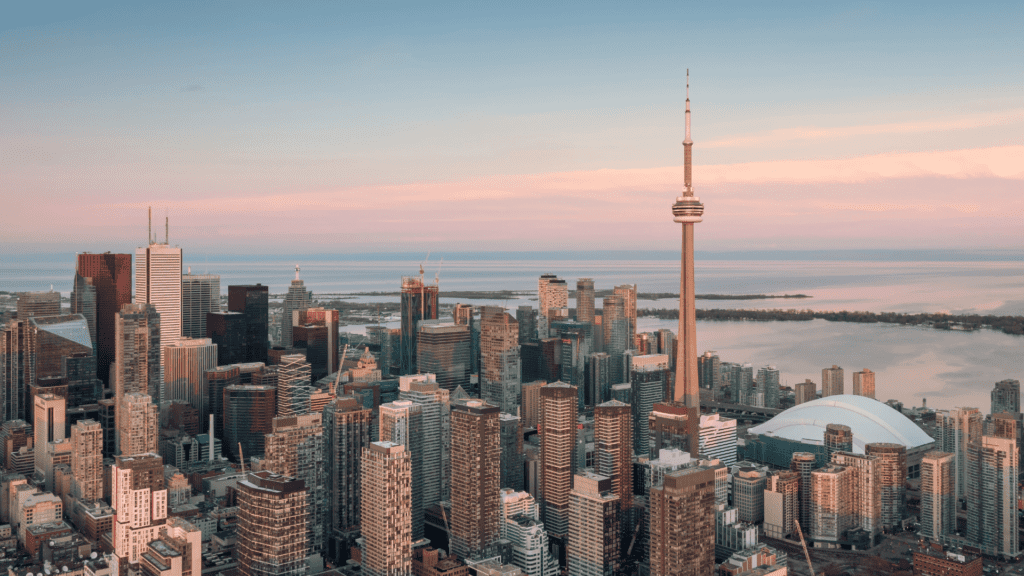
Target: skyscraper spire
pixel 688 211
pixel 296 271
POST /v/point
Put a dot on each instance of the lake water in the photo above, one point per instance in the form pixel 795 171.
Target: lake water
pixel 948 368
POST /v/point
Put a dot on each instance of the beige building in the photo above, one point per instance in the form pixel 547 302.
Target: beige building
pixel 832 381
pixel 552 293
pixel 295 449
pixel 557 445
pixel 938 498
pixel 866 494
pixel 386 510
pixel 32 508
pixel 833 511
pixel 530 404
pixel 805 391
pixel 272 534
pixel 500 369
pixel 176 551
pixel 48 426
pixel 864 383
pixel 87 459
pixel 138 424
pixel 682 523
pixel 185 362
pixel 593 546
pixel 139 495
pixel 892 480
pixel 613 446
pixel 781 504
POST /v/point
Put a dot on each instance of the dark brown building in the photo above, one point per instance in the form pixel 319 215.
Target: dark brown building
pixel 252 302
pixel 557 444
pixel 110 275
pixel 934 561
pixel 613 443
pixel 476 476
pixel 682 529
pixel 249 412
pixel 272 518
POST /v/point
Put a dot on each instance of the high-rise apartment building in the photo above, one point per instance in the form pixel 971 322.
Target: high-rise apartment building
pixel 249 410
pixel 682 523
pixel 781 504
pixel 616 334
pixel 419 302
pixel 476 477
pixel 137 353
pixel 186 361
pixel 838 438
pixel 272 532
pixel 138 493
pixel 138 425
pixel 709 370
pixel 866 490
pixel 805 391
pixel 526 316
pixel 252 301
pixel 87 459
pixel 864 383
pixel 649 379
pixel 500 369
pixel 574 354
pixel 598 379
pixel 444 350
pixel 585 300
pixel 200 295
pixel 628 294
pixel 158 282
pixel 669 427
pixel 613 447
pixel 436 426
pixel 557 441
pixel 832 381
pixel 718 438
pixel 768 384
pixel 552 294
pixel 748 485
pixel 804 463
pixel 1006 397
pixel 386 510
pixel 293 385
pixel 110 277
pixel 529 409
pixel 511 452
pixel 519 515
pixel 892 478
pixel 992 488
pixel 593 543
pixel 295 449
pixel 296 299
pixel 955 430
pixel 401 423
pixel 833 511
pixel 347 427
pixel 938 495
pixel 176 551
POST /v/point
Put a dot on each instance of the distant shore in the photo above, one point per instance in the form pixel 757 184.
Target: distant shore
pixel 510 294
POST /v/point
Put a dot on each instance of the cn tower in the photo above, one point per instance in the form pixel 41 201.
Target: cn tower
pixel 688 211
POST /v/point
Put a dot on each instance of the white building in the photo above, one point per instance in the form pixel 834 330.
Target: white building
pixel 158 282
pixel 718 438
pixel 200 293
pixel 521 525
pixel 185 361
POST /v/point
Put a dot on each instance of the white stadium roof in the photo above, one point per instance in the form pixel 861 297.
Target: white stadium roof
pixel 871 421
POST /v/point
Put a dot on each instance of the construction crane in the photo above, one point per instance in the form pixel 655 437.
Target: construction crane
pixel 341 365
pixel 437 275
pixel 241 458
pixel 803 543
pixel 636 532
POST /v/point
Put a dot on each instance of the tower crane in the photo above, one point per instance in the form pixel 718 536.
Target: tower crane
pixel 803 543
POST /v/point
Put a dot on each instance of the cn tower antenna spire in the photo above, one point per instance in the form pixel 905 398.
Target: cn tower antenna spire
pixel 687 146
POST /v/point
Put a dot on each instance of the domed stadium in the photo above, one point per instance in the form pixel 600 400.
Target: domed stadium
pixel 871 421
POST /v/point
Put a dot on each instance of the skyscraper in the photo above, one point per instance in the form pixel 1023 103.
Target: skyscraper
pixel 138 493
pixel 500 369
pixel 526 316
pixel 593 543
pixel 938 497
pixel 295 449
pixel 296 299
pixel 435 407
pixel 87 459
pixel 992 484
pixel 708 370
pixel 682 522
pixel 613 445
pixel 803 463
pixel 401 422
pixel 892 475
pixel 252 302
pixel 49 427
pixel 1006 397
pixel 186 361
pixel 293 385
pixel 552 293
pixel 110 276
pixel 557 440
pixel 249 410
pixel 864 383
pixel 200 294
pixel 781 504
pixel 718 438
pixel 833 511
pixel 511 452
pixel 158 282
pixel 649 379
pixel 832 381
pixel 866 493
pixel 137 351
pixel 768 384
pixel 597 381
pixel 444 350
pixel 346 433
pixel 386 505
pixel 838 438
pixel 272 518
pixel 805 391
pixel 955 430
pixel 616 332
pixel 585 300
pixel 419 302
pixel 138 423
pixel 33 304
pixel 476 477
pixel 688 211
pixel 227 330
pixel 628 294
pixel 49 341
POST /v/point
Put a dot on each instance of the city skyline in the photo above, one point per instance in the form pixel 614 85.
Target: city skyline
pixel 865 134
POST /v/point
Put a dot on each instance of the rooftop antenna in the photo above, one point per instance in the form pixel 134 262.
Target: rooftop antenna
pixel 167 230
pixel 149 237
pixel 296 271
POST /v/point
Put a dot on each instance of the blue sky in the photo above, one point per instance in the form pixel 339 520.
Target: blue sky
pixel 458 124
